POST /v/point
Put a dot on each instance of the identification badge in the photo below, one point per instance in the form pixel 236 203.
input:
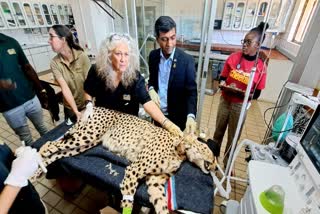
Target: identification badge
pixel 11 51
pixel 127 97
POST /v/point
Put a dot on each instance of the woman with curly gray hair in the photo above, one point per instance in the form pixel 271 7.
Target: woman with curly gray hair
pixel 116 83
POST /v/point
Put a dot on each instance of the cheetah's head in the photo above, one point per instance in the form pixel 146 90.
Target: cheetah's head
pixel 200 154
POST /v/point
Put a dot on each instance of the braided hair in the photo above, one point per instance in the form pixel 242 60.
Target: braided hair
pixel 259 30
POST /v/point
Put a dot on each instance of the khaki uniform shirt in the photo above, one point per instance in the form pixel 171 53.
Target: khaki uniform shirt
pixel 74 74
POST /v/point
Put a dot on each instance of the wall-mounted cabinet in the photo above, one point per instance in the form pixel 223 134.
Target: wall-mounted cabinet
pixel 38 15
pixel 29 13
pixel 246 14
pixel 2 21
pixel 32 14
pixel 286 8
pixel 228 15
pixel 8 14
pixel 47 14
pixel 18 14
pixel 61 13
pixel 273 14
pixel 238 15
pixel 39 57
pixel 54 12
pixel 249 14
pixel 263 9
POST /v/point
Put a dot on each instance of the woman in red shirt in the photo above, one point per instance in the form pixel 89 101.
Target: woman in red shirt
pixel 235 78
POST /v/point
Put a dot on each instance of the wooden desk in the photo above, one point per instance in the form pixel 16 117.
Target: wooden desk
pixel 211 55
pixel 48 78
pixel 275 54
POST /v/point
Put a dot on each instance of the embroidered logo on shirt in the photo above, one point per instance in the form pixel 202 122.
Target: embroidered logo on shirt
pixel 240 76
pixel 11 51
pixel 127 97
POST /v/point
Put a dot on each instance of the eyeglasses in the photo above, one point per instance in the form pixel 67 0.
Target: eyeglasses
pixel 247 41
pixel 52 36
pixel 117 36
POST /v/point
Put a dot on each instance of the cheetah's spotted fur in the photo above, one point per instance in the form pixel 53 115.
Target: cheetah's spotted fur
pixel 154 153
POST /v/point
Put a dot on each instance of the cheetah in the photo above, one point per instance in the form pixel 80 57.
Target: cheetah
pixel 153 153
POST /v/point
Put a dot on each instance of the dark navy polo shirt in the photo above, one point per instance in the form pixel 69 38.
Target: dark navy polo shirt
pixel 12 58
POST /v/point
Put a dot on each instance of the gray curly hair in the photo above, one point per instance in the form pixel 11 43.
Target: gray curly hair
pixel 104 64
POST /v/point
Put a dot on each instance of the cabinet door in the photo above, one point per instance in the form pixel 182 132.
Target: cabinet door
pixel 29 13
pixel 2 21
pixel 66 14
pixel 284 14
pixel 53 10
pixel 228 14
pixel 70 15
pixel 47 14
pixel 18 13
pixel 41 61
pixel 273 15
pixel 249 15
pixel 238 15
pixel 38 14
pixel 262 12
pixel 61 14
pixel 8 15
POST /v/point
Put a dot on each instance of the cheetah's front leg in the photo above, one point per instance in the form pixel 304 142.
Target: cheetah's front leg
pixel 156 192
pixel 128 186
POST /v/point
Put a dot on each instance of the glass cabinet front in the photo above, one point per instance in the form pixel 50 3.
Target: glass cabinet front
pixel 66 14
pixel 54 13
pixel 46 13
pixel 227 16
pixel 38 14
pixel 238 16
pixel 2 22
pixel 61 13
pixel 29 13
pixel 17 11
pixel 273 15
pixel 8 16
pixel 249 15
pixel 262 12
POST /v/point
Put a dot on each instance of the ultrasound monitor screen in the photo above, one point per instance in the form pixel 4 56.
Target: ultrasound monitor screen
pixel 311 139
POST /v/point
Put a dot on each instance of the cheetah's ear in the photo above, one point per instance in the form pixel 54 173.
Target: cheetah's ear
pixel 189 139
pixel 213 146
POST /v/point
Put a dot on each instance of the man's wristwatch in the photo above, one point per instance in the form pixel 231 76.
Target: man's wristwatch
pixel 87 101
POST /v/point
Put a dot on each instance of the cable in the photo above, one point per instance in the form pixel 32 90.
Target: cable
pixel 224 39
pixel 277 102
pixel 294 124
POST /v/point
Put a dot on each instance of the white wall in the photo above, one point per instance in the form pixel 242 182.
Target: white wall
pixel 92 23
pixel 311 74
pixel 188 16
pixel 277 74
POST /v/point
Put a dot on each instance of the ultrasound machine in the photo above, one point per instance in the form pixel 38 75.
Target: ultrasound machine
pixel 300 180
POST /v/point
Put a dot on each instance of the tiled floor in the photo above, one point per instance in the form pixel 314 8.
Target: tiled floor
pixel 90 200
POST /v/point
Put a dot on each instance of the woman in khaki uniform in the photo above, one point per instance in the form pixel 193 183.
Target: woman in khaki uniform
pixel 70 68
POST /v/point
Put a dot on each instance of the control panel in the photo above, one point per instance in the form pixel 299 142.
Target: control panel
pixel 307 180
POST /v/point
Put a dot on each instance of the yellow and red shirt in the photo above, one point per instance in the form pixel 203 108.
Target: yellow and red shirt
pixel 237 73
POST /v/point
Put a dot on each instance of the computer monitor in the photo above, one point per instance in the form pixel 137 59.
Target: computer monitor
pixel 310 140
